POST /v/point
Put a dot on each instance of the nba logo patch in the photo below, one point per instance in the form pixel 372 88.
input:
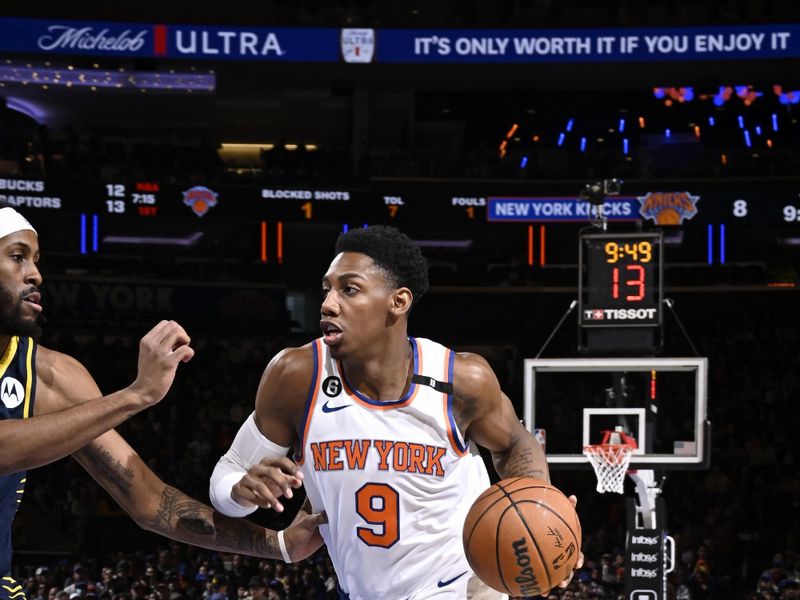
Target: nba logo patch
pixel 200 199
pixel 358 45
pixel 11 392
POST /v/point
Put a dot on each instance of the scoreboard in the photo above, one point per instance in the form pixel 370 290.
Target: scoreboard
pixel 440 203
pixel 621 280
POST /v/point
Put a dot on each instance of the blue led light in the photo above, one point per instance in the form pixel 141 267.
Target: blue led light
pixel 711 121
pixel 570 123
pixel 774 122
pixel 740 118
pixel 710 244
pixel 758 129
pixel 345 228
pixel 94 233
pixel 668 133
pixel 747 141
pixel 524 162
pixel 625 146
pixel 621 125
pixel 83 234
pixel 688 94
pixel 722 244
pixel 561 137
pixel 659 93
pixel 583 144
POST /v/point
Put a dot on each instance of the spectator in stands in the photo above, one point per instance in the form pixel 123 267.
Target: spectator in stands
pixel 257 588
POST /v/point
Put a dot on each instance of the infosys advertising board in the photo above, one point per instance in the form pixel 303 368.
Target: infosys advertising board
pixel 497 46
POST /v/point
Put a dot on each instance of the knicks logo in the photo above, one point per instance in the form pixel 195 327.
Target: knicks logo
pixel 11 392
pixel 200 199
pixel 668 208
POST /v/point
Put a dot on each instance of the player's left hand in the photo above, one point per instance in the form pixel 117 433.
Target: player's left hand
pixel 579 562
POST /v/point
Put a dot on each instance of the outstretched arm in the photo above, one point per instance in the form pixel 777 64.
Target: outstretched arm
pixel 165 510
pixel 71 411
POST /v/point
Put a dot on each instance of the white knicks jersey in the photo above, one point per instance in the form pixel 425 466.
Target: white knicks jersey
pixel 395 478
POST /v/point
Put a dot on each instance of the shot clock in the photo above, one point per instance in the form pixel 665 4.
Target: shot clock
pixel 620 279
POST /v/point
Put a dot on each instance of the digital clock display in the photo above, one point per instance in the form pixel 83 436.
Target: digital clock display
pixel 620 280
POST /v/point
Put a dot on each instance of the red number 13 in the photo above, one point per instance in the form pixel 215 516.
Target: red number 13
pixel 638 282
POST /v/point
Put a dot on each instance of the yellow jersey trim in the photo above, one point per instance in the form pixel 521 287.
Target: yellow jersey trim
pixel 11 351
pixel 28 379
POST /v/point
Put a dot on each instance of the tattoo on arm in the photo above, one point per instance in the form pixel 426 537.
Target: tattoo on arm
pixel 111 470
pixel 182 518
pixel 520 463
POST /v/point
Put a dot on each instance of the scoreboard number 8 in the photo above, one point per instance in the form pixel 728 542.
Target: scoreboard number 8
pixel 740 208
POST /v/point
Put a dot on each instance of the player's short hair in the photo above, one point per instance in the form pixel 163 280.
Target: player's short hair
pixel 391 251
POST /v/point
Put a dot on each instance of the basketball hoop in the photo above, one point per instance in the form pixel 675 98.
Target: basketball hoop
pixel 610 460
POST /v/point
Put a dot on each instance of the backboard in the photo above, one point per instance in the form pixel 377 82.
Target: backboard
pixel 661 402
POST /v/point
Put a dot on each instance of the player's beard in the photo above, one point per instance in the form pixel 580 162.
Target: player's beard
pixel 11 320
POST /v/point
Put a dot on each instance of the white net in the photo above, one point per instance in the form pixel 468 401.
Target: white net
pixel 610 462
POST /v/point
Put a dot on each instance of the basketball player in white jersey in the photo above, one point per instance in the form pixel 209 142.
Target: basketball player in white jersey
pixel 50 407
pixel 381 425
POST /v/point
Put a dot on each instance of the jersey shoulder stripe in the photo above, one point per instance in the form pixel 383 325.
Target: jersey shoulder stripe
pixel 457 441
pixel 311 399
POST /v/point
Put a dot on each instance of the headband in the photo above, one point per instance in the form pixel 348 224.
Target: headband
pixel 11 222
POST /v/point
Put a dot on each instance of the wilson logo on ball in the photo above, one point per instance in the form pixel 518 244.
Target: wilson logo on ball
pixel 526 578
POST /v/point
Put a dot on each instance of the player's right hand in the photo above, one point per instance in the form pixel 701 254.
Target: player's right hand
pixel 160 351
pixel 267 481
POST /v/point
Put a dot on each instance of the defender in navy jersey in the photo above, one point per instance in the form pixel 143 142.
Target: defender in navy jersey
pixel 381 425
pixel 51 407
pixel 17 394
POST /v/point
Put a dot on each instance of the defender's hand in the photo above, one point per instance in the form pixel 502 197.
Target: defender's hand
pixel 160 352
pixel 302 537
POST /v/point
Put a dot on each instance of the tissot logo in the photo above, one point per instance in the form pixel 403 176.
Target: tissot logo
pixel 11 392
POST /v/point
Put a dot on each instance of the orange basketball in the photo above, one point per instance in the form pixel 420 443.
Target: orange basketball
pixel 522 536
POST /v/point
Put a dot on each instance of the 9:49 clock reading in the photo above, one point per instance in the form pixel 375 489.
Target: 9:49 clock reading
pixel 639 251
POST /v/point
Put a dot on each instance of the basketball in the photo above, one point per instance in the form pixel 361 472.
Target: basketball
pixel 522 536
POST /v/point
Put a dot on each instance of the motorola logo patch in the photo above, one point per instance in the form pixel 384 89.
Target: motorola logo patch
pixel 11 392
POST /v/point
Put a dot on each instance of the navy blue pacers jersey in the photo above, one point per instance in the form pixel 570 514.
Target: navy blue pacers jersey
pixel 17 392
